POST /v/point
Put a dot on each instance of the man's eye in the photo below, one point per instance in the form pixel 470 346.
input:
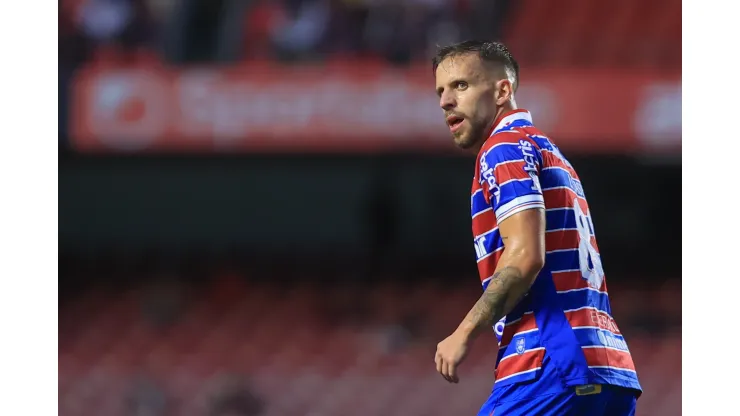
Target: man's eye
pixel 461 85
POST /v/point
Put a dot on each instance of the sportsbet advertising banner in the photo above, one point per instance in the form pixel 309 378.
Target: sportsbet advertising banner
pixel 352 108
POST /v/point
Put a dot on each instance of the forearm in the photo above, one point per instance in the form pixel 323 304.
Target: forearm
pixel 506 288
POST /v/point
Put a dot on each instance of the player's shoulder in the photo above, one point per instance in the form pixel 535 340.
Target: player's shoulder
pixel 502 140
pixel 506 146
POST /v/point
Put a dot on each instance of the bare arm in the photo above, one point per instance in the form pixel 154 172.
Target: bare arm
pixel 523 258
pixel 521 261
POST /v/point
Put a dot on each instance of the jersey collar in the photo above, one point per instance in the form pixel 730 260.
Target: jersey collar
pixel 510 117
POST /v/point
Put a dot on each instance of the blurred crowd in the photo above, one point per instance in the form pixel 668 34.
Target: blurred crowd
pixel 570 32
pixel 579 32
pixel 397 31
pixel 85 25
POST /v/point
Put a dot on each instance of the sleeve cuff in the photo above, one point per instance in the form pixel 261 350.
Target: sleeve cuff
pixel 519 204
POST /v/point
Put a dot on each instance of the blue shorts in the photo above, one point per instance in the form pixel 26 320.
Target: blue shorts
pixel 591 400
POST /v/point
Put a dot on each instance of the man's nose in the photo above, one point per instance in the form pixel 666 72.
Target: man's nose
pixel 447 102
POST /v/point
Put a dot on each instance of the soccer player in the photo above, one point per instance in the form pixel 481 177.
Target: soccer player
pixel 560 351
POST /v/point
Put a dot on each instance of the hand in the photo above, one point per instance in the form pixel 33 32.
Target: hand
pixel 450 353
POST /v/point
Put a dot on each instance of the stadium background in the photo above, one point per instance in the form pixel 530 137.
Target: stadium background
pixel 261 212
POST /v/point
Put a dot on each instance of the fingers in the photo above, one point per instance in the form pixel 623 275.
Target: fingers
pixel 441 365
pixel 446 369
pixel 452 373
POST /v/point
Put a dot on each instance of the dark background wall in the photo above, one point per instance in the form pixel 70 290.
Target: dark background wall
pixel 413 209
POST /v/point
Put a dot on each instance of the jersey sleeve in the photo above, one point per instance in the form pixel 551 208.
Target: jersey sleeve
pixel 510 174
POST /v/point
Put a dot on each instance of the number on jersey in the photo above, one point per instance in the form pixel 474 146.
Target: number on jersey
pixel 480 247
pixel 588 258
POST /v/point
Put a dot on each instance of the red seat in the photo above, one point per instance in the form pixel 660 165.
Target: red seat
pixel 587 33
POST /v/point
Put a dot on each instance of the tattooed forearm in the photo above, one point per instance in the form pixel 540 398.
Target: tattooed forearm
pixel 505 290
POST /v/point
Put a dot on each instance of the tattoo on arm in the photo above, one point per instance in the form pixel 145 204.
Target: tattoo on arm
pixel 506 288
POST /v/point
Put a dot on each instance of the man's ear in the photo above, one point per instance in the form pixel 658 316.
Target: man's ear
pixel 504 91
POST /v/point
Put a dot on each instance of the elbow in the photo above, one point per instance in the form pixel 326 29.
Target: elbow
pixel 534 264
pixel 537 263
pixel 530 262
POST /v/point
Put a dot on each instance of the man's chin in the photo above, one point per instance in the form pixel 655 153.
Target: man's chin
pixel 463 142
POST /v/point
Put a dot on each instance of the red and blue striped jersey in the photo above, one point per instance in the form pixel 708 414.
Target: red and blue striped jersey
pixel 565 318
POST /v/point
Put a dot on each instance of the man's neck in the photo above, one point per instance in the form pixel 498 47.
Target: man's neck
pixel 506 108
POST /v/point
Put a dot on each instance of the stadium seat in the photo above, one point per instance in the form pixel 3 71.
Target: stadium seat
pixel 314 368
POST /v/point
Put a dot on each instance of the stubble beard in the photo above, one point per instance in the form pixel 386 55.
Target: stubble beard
pixel 468 140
